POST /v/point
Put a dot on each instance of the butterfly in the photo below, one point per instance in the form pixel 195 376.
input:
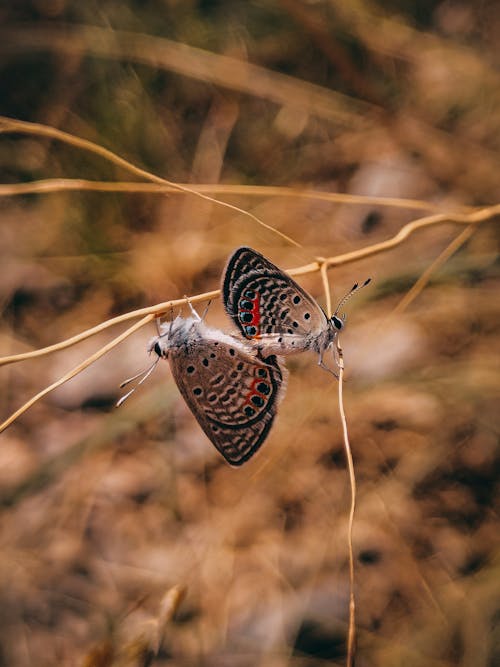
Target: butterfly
pixel 273 311
pixel 232 392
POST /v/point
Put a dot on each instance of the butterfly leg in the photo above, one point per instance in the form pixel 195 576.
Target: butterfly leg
pixel 159 324
pixel 322 365
pixel 193 311
pixel 325 368
pixel 206 310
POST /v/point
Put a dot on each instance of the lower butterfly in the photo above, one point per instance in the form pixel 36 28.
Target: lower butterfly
pixel 273 311
pixel 232 392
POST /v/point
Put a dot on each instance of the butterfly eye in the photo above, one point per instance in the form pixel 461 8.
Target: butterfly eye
pixel 157 349
pixel 337 323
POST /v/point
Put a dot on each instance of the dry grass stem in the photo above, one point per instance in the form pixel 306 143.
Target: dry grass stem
pixel 220 70
pixel 38 129
pixel 77 369
pixel 351 633
pixel 159 309
pixel 140 146
pixel 323 264
pixel 168 606
pixel 80 184
pixel 442 258
pixel 474 218
pixel 326 285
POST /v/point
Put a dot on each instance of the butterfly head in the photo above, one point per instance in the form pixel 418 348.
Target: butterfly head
pixel 169 335
pixel 159 344
pixel 156 347
pixel 338 322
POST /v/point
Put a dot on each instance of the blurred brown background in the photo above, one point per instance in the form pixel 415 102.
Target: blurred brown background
pixel 102 511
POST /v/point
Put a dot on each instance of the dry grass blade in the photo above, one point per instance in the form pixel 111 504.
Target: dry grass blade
pixel 326 285
pixel 79 184
pixel 351 632
pixel 157 311
pixel 473 218
pixel 77 369
pixel 444 256
pixel 159 142
pixel 37 129
pixel 351 635
pixel 150 312
pixel 168 606
pixel 220 70
pixel 143 649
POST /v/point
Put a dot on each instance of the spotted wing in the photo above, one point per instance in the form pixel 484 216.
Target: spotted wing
pixel 267 305
pixel 232 392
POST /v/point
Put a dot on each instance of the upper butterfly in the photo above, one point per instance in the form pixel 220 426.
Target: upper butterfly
pixel 273 311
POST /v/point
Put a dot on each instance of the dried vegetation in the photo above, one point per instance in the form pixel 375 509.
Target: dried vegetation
pixel 126 540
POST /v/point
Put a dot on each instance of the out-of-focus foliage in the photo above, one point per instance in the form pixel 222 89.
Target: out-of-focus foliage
pixel 102 510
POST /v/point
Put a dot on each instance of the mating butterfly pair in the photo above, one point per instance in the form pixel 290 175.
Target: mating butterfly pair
pixel 233 384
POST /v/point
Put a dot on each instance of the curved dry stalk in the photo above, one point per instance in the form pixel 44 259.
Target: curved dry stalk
pixel 148 641
pixel 326 287
pixel 157 311
pixel 441 259
pixel 471 218
pixel 168 606
pixel 77 369
pixel 351 635
pixel 38 129
pixel 78 184
pixel 234 74
pixel 322 264
pixel 409 297
pixel 351 632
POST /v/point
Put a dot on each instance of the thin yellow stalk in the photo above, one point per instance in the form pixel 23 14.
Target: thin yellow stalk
pixel 441 259
pixel 351 635
pixel 77 369
pixel 473 218
pixel 351 631
pixel 70 184
pixel 37 129
pixel 157 310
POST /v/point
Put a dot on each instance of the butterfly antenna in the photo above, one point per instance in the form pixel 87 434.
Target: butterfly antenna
pixel 355 288
pixel 145 375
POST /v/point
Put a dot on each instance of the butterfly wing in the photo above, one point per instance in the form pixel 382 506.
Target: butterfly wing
pixel 231 391
pixel 268 306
